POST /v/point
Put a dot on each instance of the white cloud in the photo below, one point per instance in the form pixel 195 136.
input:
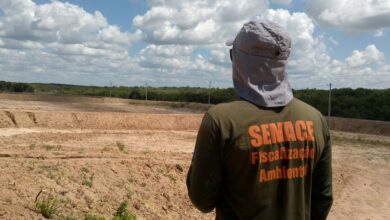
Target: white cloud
pixel 61 23
pixel 176 63
pixel 195 22
pixel 170 57
pixel 379 33
pixel 351 15
pixel 61 42
pixel 371 55
pixel 361 69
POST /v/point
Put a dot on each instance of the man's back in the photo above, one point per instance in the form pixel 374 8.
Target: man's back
pixel 252 162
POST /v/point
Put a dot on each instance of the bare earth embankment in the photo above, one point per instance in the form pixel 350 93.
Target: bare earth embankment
pixel 92 155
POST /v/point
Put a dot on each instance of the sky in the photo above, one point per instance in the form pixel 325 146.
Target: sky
pixel 182 43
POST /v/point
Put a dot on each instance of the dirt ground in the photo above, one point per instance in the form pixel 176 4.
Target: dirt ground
pixel 90 166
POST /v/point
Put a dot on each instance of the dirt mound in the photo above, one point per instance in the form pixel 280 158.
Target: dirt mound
pixel 59 98
pixel 46 102
pixel 57 111
pixel 120 120
pixel 361 126
pixel 104 120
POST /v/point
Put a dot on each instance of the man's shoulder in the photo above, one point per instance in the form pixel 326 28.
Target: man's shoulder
pixel 243 104
pixel 229 108
pixel 297 103
pixel 232 104
pixel 241 108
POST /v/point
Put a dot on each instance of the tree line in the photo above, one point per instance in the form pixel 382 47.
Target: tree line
pixel 373 104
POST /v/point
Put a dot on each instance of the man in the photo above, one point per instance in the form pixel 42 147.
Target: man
pixel 268 155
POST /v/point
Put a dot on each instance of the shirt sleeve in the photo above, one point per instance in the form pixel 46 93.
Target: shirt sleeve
pixel 322 197
pixel 204 177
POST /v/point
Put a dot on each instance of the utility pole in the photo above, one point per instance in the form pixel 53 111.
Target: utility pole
pixel 329 103
pixel 110 88
pixel 209 92
pixel 146 91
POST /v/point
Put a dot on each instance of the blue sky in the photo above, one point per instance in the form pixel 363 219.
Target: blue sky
pixel 180 43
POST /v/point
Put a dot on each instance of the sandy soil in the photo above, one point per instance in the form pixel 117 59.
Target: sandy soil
pixel 361 176
pixel 80 107
pixel 149 172
pixel 91 169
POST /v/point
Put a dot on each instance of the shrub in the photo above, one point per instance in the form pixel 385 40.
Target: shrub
pixel 48 207
pixel 123 214
pixel 87 181
pixel 120 145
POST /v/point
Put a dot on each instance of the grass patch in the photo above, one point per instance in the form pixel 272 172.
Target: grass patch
pixel 81 150
pixel 51 147
pixel 106 149
pixel 32 146
pixel 94 217
pixel 129 193
pixel 123 214
pixel 146 152
pixel 50 168
pixel 84 170
pixel 87 180
pixel 172 178
pixel 120 145
pixel 48 207
pixel 30 168
pixel 130 180
pixel 53 172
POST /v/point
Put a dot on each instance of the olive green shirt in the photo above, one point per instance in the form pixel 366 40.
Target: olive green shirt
pixel 252 162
